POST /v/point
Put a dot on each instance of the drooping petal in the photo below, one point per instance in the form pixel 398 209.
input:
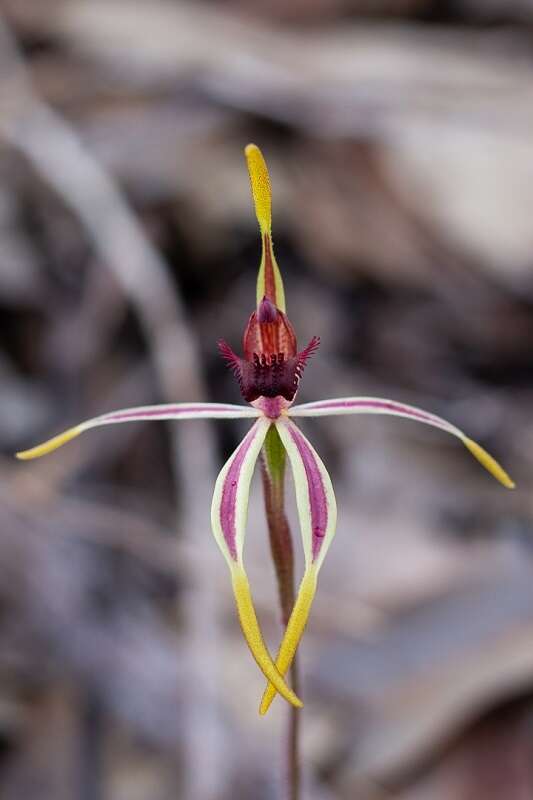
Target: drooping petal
pixel 315 499
pixel 143 414
pixel 317 512
pixel 380 405
pixel 269 282
pixel 229 512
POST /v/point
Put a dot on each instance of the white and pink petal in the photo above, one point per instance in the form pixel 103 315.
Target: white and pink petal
pixel 380 405
pixel 170 411
pixel 315 498
pixel 229 509
pixel 317 512
pixel 229 512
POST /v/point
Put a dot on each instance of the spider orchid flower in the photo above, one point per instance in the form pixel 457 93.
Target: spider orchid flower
pixel 269 373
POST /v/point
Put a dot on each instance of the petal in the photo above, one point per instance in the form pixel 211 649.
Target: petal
pixel 380 405
pixel 229 509
pixel 269 282
pixel 317 511
pixel 254 638
pixel 315 499
pixel 140 414
pixel 229 512
pixel 293 633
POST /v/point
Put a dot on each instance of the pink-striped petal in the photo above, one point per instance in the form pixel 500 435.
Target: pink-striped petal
pixel 370 405
pixel 143 414
pixel 229 513
pixel 317 512
pixel 315 499
pixel 229 509
pixel 380 405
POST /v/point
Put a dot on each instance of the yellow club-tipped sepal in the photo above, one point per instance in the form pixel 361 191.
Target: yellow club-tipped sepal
pixel 488 462
pixel 269 282
pixel 50 445
pixel 254 639
pixel 260 182
pixel 293 633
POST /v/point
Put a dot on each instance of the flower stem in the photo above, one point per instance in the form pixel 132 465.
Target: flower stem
pixel 273 474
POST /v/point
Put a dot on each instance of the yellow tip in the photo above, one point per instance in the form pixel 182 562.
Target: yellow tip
pixel 293 634
pixel 254 639
pixel 50 445
pixel 489 463
pixel 269 282
pixel 260 182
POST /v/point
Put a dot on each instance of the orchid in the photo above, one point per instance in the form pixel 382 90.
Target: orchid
pixel 269 373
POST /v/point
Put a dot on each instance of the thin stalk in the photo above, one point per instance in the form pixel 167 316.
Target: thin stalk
pixel 273 474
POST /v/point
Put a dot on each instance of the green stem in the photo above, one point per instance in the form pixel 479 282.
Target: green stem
pixel 273 474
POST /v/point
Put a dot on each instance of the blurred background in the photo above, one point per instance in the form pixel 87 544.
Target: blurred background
pixel 399 138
